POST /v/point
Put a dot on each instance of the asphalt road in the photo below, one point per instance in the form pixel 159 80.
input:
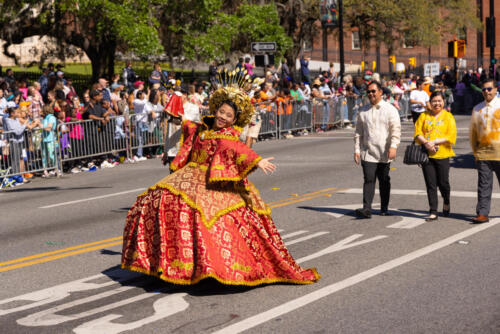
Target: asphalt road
pixel 60 254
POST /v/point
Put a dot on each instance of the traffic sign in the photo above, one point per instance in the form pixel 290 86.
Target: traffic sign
pixel 267 47
pixel 431 69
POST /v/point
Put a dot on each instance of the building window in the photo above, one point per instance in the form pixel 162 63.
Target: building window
pixel 307 45
pixel 462 34
pixel 356 44
pixel 406 44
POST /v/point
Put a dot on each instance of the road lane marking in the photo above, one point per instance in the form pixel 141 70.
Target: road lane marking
pixel 419 192
pixel 309 298
pixel 341 245
pixel 307 237
pixel 163 307
pixel 91 198
pixel 102 244
pixel 49 317
pixel 61 291
pixel 58 251
pixel 293 234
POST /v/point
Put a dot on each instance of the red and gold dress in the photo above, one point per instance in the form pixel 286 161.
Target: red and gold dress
pixel 207 220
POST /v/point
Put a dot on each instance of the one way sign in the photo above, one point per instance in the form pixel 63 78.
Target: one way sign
pixel 267 47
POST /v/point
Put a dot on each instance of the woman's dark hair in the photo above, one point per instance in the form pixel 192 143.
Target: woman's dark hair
pixel 122 93
pixel 232 105
pixel 152 95
pixel 437 93
pixel 10 111
pixel 247 59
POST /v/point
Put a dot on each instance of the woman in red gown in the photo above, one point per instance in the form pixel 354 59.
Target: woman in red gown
pixel 206 219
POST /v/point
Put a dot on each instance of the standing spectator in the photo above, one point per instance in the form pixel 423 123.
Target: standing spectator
pixel 249 66
pixel 103 88
pixel 49 126
pixel 3 104
pixel 157 76
pixel 139 86
pixel 419 100
pixel 437 131
pixel 240 64
pixel 69 90
pixel 285 73
pixel 304 70
pixel 51 69
pixel 327 93
pixel 76 132
pixel 485 143
pixel 376 139
pixel 141 123
pixel 100 116
pixel 129 76
pixel 15 137
pixel 36 103
pixel 305 90
pixel 9 78
pixel 115 96
pixel 212 73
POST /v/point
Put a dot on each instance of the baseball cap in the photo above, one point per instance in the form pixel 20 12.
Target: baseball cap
pixel 138 83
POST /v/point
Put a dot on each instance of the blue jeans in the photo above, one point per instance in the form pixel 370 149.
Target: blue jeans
pixel 140 129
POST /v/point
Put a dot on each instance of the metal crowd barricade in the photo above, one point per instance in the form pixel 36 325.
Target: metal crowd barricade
pixel 91 138
pixel 295 116
pixel 29 152
pixel 146 131
pixel 267 114
pixel 404 102
pixel 328 113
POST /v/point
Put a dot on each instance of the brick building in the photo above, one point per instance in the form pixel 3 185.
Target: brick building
pixel 477 54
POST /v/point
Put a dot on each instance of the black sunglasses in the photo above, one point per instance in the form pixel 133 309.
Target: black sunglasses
pixel 372 91
pixel 489 89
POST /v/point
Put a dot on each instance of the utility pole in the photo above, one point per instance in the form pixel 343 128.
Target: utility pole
pixel 341 39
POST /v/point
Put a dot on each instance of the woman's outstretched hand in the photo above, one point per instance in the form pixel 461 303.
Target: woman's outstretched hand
pixel 267 166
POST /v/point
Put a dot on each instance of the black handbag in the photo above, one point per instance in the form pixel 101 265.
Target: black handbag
pixel 415 155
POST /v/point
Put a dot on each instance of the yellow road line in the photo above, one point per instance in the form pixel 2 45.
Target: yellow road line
pixel 58 251
pixel 55 257
pixel 300 196
pixel 45 257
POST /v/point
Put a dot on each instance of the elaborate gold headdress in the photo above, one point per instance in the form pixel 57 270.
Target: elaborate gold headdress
pixel 232 85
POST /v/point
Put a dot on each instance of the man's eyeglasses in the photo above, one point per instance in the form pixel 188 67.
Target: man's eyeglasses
pixel 489 89
pixel 371 91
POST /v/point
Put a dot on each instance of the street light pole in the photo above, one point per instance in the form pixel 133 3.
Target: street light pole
pixel 341 39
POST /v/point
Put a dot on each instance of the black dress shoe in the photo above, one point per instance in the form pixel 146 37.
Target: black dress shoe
pixel 385 213
pixel 363 213
pixel 431 217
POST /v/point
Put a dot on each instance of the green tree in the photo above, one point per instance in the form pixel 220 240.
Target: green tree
pixel 98 27
pixel 392 23
pixel 214 29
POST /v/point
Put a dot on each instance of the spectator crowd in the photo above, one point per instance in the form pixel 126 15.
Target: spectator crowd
pixel 47 126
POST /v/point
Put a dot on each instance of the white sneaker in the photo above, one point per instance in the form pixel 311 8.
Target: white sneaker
pixel 135 158
pixel 142 159
pixel 75 170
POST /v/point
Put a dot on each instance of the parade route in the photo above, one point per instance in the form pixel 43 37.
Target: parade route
pixel 59 263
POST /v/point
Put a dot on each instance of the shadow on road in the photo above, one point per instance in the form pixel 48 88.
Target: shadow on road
pixel 463 161
pixel 206 287
pixel 27 189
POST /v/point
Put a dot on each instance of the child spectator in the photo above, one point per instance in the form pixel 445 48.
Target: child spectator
pixel 75 133
pixel 49 125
